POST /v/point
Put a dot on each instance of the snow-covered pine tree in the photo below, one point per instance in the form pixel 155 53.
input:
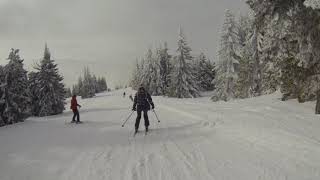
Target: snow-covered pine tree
pixel 79 86
pixel 87 90
pixel 227 67
pixel 146 73
pixel 103 84
pixel 75 90
pixel 95 84
pixel 68 92
pixel 205 72
pixel 49 89
pixel 183 81
pixel 34 89
pixel 302 17
pixel 17 95
pixel 136 76
pixel 2 95
pixel 270 55
pixel 156 88
pixel 165 68
pixel 246 50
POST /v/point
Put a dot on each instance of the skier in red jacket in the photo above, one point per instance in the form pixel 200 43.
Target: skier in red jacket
pixel 74 107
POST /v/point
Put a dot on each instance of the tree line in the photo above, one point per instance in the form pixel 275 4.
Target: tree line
pixel 274 47
pixel 180 75
pixel 40 92
pixel 22 94
pixel 88 85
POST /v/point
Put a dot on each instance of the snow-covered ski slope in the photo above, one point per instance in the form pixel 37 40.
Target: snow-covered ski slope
pixel 255 139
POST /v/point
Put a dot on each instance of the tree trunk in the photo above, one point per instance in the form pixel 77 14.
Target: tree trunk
pixel 318 103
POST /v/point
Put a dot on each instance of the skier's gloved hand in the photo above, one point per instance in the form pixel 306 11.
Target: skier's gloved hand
pixel 152 106
pixel 134 109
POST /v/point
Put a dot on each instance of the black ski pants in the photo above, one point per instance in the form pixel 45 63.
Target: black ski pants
pixel 145 116
pixel 76 115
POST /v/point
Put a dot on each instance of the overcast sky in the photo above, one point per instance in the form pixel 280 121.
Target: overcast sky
pixel 107 35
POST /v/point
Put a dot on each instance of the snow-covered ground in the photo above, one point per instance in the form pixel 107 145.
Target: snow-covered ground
pixel 255 139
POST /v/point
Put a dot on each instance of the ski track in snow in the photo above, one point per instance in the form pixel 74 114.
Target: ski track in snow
pixel 258 139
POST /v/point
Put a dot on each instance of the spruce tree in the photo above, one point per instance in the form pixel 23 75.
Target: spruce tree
pixel 103 84
pixel 227 67
pixel 50 92
pixel 75 90
pixel 246 50
pixel 68 92
pixel 17 96
pixel 155 84
pixel 95 84
pixel 136 76
pixel 146 73
pixel 205 73
pixel 165 68
pixel 183 81
pixel 87 89
pixel 34 89
pixel 2 95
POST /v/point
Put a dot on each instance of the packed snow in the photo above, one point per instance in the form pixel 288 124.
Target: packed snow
pixel 261 138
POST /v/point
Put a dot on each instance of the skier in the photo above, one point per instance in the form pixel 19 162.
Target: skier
pixel 74 107
pixel 130 97
pixel 141 103
pixel 124 94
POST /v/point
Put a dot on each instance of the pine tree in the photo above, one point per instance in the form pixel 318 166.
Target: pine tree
pixel 87 90
pixel 34 89
pixel 183 81
pixel 227 67
pixel 79 86
pixel 2 95
pixel 293 41
pixel 205 73
pixel 247 47
pixel 103 84
pixel 146 73
pixel 156 88
pixel 68 92
pixel 49 90
pixel 165 68
pixel 17 95
pixel 136 76
pixel 75 90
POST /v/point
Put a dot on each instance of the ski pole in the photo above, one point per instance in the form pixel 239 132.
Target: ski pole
pixel 156 115
pixel 127 119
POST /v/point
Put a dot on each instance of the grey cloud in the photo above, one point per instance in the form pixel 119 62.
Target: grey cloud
pixel 110 32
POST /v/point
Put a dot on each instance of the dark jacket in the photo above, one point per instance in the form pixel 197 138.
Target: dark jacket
pixel 142 101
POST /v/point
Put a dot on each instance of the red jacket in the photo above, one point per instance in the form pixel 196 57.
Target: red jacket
pixel 74 104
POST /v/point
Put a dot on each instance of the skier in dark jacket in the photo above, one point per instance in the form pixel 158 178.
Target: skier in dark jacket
pixel 74 107
pixel 141 103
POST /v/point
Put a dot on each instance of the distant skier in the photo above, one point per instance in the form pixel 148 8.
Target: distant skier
pixel 130 97
pixel 74 107
pixel 141 103
pixel 124 94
